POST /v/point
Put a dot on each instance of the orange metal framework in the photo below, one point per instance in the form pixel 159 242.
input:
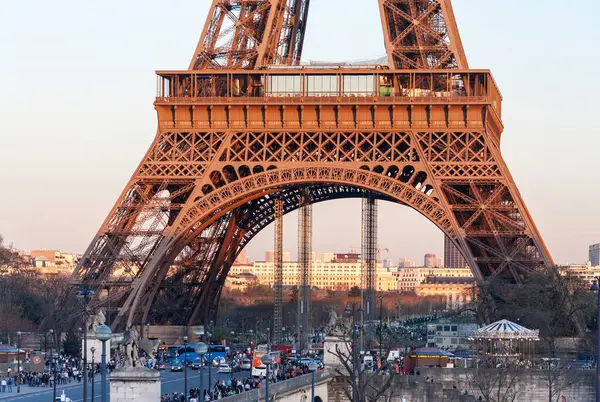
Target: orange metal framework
pixel 235 134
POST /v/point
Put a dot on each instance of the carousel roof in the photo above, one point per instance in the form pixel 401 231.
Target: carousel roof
pixel 505 329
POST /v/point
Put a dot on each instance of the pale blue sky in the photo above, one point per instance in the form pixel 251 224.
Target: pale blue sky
pixel 77 116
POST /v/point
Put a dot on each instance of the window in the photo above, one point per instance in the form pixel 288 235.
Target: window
pixel 322 85
pixel 284 84
pixel 454 328
pixel 454 341
pixel 359 85
pixel 446 328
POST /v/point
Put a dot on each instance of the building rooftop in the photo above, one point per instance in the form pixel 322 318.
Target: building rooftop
pixel 449 280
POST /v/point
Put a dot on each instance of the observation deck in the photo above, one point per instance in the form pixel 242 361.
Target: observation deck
pixel 342 97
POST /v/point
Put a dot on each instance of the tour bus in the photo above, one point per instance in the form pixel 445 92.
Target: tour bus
pixel 215 353
pixel 258 368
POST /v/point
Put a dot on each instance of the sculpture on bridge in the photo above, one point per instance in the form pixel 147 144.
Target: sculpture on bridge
pixel 337 326
pixel 131 344
pixel 94 321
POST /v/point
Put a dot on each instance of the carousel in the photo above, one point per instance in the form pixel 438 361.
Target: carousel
pixel 505 343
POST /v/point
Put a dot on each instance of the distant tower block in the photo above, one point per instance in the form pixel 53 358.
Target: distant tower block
pixel 430 261
pixel 452 256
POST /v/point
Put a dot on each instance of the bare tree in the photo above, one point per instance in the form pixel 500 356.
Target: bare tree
pixel 496 384
pixel 559 377
pixel 362 383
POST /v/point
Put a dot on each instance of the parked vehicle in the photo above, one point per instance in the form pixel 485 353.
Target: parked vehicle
pixel 246 364
pixel 224 368
pixel 160 366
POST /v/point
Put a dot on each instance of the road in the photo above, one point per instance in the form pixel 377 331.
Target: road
pixel 170 382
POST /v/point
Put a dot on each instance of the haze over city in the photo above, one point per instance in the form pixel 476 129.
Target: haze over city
pixel 66 160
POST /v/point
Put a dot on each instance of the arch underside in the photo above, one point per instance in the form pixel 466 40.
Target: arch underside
pixel 168 245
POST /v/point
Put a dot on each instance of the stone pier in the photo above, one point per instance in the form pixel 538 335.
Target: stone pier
pixel 134 384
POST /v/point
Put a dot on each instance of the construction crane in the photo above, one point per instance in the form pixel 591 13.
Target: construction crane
pixel 387 250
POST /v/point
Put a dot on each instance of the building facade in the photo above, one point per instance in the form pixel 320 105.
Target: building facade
pixel 450 336
pixel 410 278
pixel 341 275
pixel 594 255
pixel 456 291
pixel 587 273
pixel 452 256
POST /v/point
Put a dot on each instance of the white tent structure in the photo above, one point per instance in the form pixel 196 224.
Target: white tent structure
pixel 505 342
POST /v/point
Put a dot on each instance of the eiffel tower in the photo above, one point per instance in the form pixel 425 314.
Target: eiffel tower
pixel 246 124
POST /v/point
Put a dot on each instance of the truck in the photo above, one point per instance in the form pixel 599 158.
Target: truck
pixel 259 370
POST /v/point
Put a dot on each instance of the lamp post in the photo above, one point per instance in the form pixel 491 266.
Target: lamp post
pixel 147 330
pixel 380 326
pixel 312 368
pixel 201 349
pixel 210 360
pixel 103 334
pixel 596 288
pixel 185 387
pixel 85 295
pixel 18 362
pixel 352 310
pixel 54 369
pixel 53 342
pixel 93 350
pixel 267 360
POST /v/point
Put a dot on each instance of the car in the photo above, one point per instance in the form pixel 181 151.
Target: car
pixel 176 367
pixel 246 364
pixel 224 368
pixel 160 366
pixel 196 366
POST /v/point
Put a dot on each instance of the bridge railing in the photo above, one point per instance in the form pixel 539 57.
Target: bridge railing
pixel 279 388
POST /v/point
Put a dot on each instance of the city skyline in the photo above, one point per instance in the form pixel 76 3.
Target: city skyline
pixel 66 170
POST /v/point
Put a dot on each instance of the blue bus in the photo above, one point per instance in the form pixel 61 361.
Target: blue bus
pixel 189 353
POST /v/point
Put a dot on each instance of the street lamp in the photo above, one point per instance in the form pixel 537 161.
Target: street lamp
pixel 93 350
pixel 85 295
pixel 147 330
pixel 596 288
pixel 18 362
pixel 201 349
pixel 312 367
pixel 54 369
pixel 267 360
pixel 185 343
pixel 380 327
pixel 103 334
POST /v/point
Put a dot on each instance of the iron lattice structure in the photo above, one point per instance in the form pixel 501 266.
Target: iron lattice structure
pixel 252 33
pixel 304 269
pixel 423 131
pixel 369 258
pixel 278 274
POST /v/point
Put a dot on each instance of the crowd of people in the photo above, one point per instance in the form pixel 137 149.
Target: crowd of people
pixel 220 389
pixel 64 371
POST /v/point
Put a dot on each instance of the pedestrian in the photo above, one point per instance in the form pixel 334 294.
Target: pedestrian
pixel 9 384
pixel 3 385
